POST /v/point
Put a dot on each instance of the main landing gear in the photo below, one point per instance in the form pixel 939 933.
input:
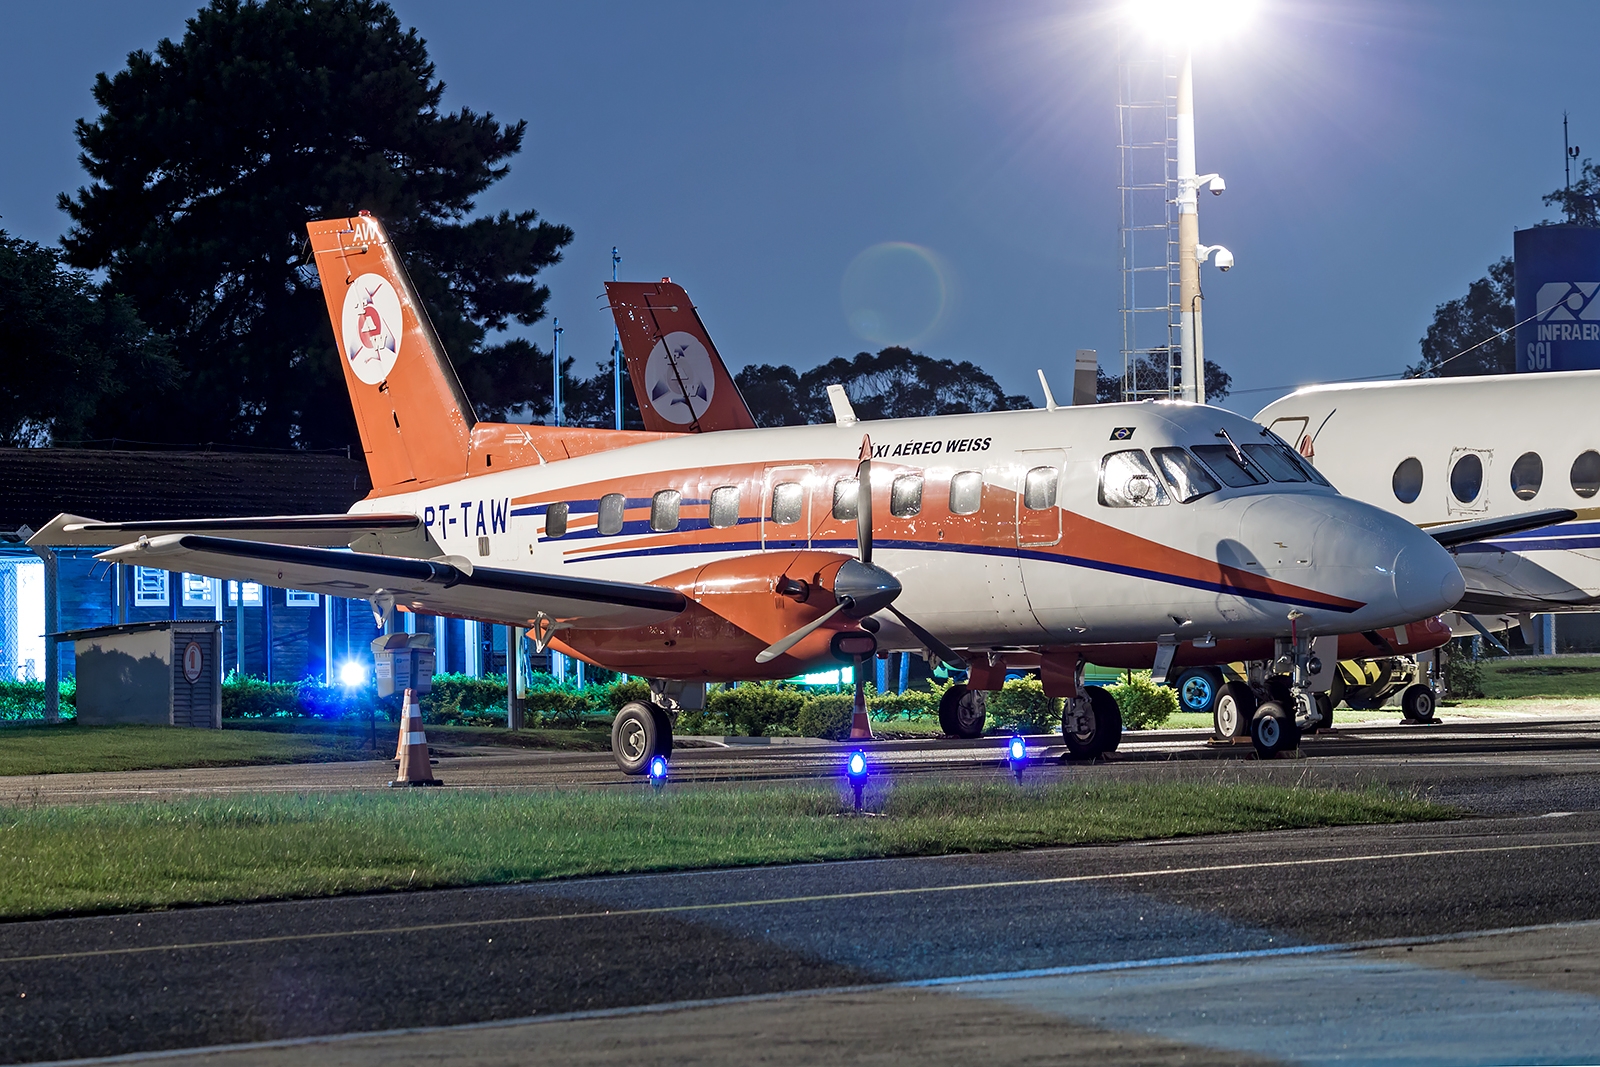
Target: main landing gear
pixel 642 731
pixel 1091 723
pixel 963 711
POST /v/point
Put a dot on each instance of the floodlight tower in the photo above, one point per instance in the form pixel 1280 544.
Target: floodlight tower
pixel 616 344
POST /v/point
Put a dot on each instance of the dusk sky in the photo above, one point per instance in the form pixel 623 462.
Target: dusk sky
pixel 791 163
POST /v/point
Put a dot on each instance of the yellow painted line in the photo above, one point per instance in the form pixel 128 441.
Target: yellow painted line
pixel 863 894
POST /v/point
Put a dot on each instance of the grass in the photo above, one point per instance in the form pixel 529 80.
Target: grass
pixel 1546 677
pixel 39 749
pixel 99 858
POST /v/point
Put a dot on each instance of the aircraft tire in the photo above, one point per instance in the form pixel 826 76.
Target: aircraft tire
pixel 1273 730
pixel 1197 690
pixel 963 711
pixel 663 729
pixel 1235 707
pixel 636 737
pixel 1417 703
pixel 1325 707
pixel 1105 732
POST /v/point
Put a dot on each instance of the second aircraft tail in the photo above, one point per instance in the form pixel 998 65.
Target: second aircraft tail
pixel 680 380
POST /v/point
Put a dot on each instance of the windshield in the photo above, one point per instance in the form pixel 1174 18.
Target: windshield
pixel 1188 476
pixel 1234 470
pixel 1128 481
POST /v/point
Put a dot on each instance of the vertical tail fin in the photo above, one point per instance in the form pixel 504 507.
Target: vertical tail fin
pixel 415 420
pixel 680 380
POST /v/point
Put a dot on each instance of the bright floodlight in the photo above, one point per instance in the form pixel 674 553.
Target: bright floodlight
pixel 1189 22
pixel 352 673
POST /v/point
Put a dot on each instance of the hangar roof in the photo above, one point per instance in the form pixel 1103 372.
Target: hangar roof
pixel 36 484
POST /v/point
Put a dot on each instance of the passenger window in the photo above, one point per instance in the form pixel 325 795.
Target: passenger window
pixel 725 505
pixel 1228 465
pixel 555 520
pixel 905 496
pixel 845 491
pixel 1466 478
pixel 1187 476
pixel 1128 481
pixel 1039 489
pixel 1276 461
pixel 1527 475
pixel 664 510
pixel 788 499
pixel 966 493
pixel 1586 474
pixel 612 506
pixel 1407 480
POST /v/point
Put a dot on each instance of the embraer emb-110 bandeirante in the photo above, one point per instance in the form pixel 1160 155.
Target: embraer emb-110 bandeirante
pixel 763 553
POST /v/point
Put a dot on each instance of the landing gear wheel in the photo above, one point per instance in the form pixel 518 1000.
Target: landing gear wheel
pixel 963 711
pixel 1197 690
pixel 1103 731
pixel 639 733
pixel 1306 715
pixel 1273 730
pixel 1417 703
pixel 1236 706
pixel 1324 709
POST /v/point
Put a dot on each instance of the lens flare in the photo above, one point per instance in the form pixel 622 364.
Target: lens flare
pixel 896 293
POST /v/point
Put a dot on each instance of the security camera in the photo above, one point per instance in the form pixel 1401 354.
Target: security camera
pixel 1224 260
pixel 1217 187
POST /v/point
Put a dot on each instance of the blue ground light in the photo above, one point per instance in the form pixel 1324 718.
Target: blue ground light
pixel 856 770
pixel 1017 753
pixel 658 772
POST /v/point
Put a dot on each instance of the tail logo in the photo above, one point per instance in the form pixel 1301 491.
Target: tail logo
pixel 680 378
pixel 372 327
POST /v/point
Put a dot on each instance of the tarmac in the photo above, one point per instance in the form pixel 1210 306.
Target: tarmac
pixel 1475 941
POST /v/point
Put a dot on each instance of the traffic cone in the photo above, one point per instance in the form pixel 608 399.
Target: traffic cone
pixel 415 769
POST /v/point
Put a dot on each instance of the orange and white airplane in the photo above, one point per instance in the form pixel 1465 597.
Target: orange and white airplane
pixel 989 540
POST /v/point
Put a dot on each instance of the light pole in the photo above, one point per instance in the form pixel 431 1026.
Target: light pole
pixel 1191 253
pixel 616 342
pixel 555 358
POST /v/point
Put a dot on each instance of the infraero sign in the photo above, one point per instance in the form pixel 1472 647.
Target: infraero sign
pixel 1558 298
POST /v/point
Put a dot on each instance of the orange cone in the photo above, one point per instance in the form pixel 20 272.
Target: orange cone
pixel 415 768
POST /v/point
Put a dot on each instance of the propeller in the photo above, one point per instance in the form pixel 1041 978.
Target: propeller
pixel 861 587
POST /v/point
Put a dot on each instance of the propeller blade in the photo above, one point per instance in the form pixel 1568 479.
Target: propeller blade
pixel 936 646
pixel 778 648
pixel 864 502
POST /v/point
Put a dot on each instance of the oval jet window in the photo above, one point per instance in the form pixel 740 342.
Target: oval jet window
pixel 1527 474
pixel 1586 474
pixel 788 498
pixel 905 496
pixel 844 499
pixel 1466 478
pixel 611 508
pixel 966 493
pixel 725 505
pixel 1039 489
pixel 555 520
pixel 1408 480
pixel 664 510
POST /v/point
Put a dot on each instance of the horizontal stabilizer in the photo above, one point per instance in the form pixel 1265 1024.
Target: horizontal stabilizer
pixel 1465 533
pixel 434 587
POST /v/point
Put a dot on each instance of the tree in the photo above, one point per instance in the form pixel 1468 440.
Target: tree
pixel 1580 202
pixel 1472 334
pixel 68 348
pixel 1152 375
pixel 209 156
pixel 896 383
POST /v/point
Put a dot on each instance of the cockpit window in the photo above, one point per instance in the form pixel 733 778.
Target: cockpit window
pixel 1128 481
pixel 1276 461
pixel 1188 478
pixel 1228 465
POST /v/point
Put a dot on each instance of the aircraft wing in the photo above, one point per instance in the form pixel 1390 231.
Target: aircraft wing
pixel 444 586
pixel 1464 533
pixel 331 531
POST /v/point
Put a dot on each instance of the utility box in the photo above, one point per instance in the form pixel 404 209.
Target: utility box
pixel 401 662
pixel 166 673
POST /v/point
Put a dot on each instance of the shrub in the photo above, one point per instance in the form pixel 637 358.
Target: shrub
pixel 613 695
pixel 911 704
pixel 1463 675
pixel 1144 704
pixel 1022 705
pixel 757 708
pixel 457 699
pixel 558 707
pixel 25 700
pixel 825 715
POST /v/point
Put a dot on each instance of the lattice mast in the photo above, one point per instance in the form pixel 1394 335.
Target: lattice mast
pixel 1147 148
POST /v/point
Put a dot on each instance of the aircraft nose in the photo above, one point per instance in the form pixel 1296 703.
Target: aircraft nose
pixel 1426 578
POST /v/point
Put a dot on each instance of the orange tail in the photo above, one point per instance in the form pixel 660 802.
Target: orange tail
pixel 415 421
pixel 680 380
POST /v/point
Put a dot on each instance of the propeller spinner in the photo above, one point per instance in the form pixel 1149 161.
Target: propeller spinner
pixel 862 588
